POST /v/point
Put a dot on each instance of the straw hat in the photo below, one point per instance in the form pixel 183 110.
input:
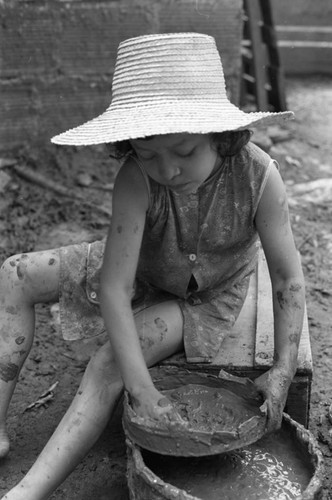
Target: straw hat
pixel 163 84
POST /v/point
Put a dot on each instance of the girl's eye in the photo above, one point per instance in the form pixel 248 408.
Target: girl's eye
pixel 185 155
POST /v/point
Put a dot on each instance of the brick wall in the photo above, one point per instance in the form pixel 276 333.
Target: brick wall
pixel 57 57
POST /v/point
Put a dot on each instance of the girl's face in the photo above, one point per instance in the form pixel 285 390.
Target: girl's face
pixel 180 161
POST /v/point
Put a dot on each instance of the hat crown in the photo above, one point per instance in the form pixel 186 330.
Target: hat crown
pixel 167 67
pixel 166 84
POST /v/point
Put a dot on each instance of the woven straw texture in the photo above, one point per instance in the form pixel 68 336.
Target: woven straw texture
pixel 168 83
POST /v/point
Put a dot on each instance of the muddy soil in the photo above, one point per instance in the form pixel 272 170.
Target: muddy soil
pixel 33 217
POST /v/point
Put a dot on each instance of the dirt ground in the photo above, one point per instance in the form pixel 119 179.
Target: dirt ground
pixel 34 217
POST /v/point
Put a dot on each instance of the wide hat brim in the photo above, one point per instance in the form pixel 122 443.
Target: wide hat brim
pixel 116 124
pixel 164 84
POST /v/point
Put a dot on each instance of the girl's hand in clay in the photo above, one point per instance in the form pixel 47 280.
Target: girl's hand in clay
pixel 274 385
pixel 154 405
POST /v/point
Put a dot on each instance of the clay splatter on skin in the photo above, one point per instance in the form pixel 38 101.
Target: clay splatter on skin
pixel 20 340
pixel 12 263
pixel 276 357
pixel 8 371
pixel 162 327
pixel 295 288
pixel 20 275
pixel 21 353
pixel 134 401
pixel 282 301
pixel 77 422
pixel 146 343
pixel 285 217
pixel 136 228
pixel 293 338
pixel 51 262
pixel 21 267
pixel 11 310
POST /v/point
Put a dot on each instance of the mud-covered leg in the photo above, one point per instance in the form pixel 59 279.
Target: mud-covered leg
pixel 78 430
pixel 24 281
pixel 160 331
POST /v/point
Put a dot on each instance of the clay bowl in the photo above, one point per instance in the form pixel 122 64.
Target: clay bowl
pixel 145 480
pixel 217 415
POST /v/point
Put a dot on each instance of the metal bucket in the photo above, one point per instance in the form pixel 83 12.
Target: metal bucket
pixel 144 484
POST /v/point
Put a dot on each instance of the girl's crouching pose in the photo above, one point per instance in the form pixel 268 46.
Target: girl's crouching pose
pixel 192 203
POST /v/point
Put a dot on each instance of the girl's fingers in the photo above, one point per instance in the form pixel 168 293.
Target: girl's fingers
pixel 170 411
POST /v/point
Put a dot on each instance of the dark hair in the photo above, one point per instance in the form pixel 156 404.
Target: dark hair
pixel 119 150
pixel 231 142
pixel 227 144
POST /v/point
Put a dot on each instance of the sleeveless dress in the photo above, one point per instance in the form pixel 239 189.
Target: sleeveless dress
pixel 199 249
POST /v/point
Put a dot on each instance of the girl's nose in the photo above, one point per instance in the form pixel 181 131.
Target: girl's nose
pixel 169 170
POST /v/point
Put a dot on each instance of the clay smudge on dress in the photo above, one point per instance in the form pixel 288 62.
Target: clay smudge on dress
pixel 8 370
pixel 119 229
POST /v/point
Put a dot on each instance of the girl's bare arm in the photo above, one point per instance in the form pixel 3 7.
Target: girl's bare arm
pixel 130 202
pixel 288 289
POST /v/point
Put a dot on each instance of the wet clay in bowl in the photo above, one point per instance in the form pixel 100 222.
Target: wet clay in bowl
pixel 217 415
pixel 286 465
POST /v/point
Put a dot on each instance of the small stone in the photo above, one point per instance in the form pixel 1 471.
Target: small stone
pixel 84 180
pixel 4 181
pixel 278 134
pixel 7 162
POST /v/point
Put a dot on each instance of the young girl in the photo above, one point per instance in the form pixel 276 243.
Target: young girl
pixel 192 203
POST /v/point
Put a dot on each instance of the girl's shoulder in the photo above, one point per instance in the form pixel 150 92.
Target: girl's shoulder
pixel 131 181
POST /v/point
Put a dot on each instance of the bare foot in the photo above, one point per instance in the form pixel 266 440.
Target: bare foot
pixel 4 442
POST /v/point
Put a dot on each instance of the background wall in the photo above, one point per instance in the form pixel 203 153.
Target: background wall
pixel 304 31
pixel 57 57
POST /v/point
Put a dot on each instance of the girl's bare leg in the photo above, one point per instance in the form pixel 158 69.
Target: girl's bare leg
pixel 24 281
pixel 160 330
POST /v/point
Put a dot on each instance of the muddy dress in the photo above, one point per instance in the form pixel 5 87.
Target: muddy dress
pixel 198 249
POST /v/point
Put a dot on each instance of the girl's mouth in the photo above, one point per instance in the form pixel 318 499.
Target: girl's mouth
pixel 180 188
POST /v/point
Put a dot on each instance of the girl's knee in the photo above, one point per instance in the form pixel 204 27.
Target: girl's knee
pixel 32 276
pixel 103 364
pixel 14 268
